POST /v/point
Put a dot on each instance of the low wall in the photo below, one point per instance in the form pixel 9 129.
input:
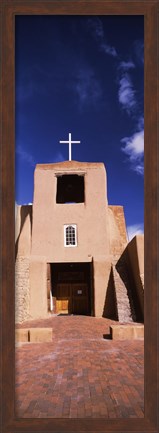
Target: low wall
pixel 38 289
pixel 127 332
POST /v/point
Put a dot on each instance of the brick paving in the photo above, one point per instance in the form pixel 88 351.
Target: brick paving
pixel 79 374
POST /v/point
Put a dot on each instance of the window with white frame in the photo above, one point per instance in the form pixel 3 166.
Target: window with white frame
pixel 70 235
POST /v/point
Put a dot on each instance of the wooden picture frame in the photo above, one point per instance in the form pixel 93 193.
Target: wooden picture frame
pixel 148 8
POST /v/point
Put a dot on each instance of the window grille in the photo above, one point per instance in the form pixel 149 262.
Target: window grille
pixel 70 236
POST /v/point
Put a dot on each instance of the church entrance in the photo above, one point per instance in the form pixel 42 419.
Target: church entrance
pixel 71 287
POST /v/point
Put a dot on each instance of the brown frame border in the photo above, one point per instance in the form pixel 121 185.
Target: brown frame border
pixel 150 9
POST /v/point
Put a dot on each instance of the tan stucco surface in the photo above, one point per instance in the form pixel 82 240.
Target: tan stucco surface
pixel 135 250
pixel 101 277
pixel 101 237
pixel 23 229
pixel 38 289
pixel 117 230
pixel 90 217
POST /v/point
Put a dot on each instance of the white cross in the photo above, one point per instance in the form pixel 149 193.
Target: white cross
pixel 69 142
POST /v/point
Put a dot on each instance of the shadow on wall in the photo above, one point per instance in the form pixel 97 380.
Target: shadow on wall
pixel 126 272
pixel 110 306
pixel 25 211
pixel 125 291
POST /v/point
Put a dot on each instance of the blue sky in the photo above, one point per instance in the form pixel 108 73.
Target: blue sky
pixel 84 75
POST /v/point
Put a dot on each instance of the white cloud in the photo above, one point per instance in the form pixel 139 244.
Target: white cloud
pixel 87 88
pixel 134 145
pixel 126 93
pixel 58 157
pixel 141 123
pixel 96 27
pixel 25 156
pixel 134 148
pixel 139 168
pixel 26 204
pixel 134 230
pixel 139 51
pixel 125 66
pixel 108 49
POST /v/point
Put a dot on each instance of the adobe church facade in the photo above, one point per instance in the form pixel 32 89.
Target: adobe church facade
pixel 72 253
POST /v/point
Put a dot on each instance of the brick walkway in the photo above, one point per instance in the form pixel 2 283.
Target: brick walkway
pixel 79 374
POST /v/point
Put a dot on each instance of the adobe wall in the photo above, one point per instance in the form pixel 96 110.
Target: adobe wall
pixel 23 226
pixel 135 250
pixel 91 216
pixel 117 231
pixel 101 233
pixel 101 271
pixel 38 288
pixel 48 229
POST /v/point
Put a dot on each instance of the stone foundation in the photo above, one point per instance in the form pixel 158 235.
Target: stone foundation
pixel 22 291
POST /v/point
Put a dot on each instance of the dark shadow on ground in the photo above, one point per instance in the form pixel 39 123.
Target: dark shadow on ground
pixel 107 336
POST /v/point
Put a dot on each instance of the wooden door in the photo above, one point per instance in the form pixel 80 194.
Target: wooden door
pixel 80 302
pixel 63 298
pixel 72 298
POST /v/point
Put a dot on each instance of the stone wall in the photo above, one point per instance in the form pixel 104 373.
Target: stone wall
pixel 22 295
pixel 22 267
